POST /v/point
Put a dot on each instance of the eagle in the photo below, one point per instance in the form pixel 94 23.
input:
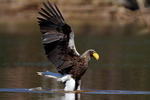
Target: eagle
pixel 59 46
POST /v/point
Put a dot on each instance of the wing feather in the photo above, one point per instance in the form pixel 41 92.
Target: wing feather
pixel 59 12
pixel 43 15
pixel 57 38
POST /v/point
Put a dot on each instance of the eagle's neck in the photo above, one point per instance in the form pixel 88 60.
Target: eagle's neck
pixel 86 56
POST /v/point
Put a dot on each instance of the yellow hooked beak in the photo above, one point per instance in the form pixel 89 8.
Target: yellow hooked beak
pixel 96 56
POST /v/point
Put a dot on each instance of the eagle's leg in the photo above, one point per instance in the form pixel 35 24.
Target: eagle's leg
pixel 79 85
pixel 69 82
pixel 70 85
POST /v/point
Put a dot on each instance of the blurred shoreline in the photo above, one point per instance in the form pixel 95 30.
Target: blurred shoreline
pixel 104 14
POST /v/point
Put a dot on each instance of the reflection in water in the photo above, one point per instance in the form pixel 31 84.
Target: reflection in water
pixel 71 96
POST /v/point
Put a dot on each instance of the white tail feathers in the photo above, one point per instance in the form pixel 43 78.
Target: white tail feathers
pixel 50 74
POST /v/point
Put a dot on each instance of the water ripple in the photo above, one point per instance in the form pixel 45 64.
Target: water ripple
pixel 40 90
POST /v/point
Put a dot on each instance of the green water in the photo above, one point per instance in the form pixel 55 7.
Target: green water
pixel 124 65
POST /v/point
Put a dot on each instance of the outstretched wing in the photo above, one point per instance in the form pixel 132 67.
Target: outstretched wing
pixel 57 37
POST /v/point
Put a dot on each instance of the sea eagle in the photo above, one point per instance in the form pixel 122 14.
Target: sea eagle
pixel 58 42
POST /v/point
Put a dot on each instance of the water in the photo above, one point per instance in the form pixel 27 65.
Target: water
pixel 123 68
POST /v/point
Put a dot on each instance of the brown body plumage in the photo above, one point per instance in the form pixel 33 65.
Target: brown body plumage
pixel 58 41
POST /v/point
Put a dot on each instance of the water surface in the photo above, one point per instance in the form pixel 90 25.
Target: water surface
pixel 123 68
